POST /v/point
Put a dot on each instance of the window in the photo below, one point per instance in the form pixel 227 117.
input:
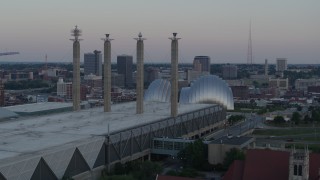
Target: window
pixel 295 171
pixel 157 144
pixel 178 146
pixel 300 170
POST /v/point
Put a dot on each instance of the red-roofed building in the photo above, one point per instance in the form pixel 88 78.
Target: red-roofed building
pixel 268 164
pixel 235 172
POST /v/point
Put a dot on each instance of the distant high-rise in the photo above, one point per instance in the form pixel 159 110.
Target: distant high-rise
pixel 1 93
pixel 229 71
pixel 281 64
pixel 93 63
pixel 197 65
pixel 201 63
pixel 151 74
pixel 124 66
pixel 65 89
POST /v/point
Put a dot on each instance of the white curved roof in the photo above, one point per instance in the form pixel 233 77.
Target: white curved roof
pixel 208 89
pixel 159 91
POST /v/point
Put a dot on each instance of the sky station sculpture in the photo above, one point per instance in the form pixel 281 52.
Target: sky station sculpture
pixel 107 73
pixel 76 68
pixel 140 77
pixel 174 75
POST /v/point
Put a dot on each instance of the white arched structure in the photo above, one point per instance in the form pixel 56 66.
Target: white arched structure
pixel 208 89
pixel 159 91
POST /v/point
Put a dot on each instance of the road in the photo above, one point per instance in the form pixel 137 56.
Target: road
pixel 252 121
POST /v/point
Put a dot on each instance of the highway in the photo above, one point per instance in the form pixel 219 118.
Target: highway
pixel 252 121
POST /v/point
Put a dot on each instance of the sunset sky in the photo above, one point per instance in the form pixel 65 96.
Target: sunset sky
pixel 219 29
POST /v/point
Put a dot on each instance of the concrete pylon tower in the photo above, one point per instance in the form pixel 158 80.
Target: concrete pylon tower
pixel 107 73
pixel 140 78
pixel 76 68
pixel 174 75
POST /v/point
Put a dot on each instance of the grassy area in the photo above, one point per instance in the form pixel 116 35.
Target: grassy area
pixel 313 147
pixel 243 110
pixel 310 125
pixel 285 132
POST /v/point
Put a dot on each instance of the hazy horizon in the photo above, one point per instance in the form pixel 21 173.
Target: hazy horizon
pixel 287 28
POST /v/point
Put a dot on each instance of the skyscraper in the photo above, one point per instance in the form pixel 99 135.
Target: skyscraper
pixel 281 64
pixel 124 66
pixel 203 61
pixel 229 72
pixel 197 66
pixel 93 63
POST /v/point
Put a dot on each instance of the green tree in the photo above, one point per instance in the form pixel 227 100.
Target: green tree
pixel 315 115
pixel 256 84
pixel 299 108
pixel 119 169
pixel 199 154
pixel 147 170
pixel 194 155
pixel 233 154
pixel 306 119
pixel 118 177
pixel 296 117
pixel 279 120
pixel 235 118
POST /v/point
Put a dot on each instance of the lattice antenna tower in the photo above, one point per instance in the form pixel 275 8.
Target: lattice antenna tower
pixel 249 54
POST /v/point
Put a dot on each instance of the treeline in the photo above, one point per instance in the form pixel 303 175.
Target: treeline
pixel 133 170
pixel 235 118
pixel 25 84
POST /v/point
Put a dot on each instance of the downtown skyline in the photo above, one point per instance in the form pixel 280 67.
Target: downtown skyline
pixel 288 29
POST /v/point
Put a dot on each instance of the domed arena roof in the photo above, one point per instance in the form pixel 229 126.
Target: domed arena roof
pixel 159 91
pixel 208 89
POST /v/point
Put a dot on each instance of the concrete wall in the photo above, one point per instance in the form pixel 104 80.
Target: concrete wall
pixel 217 152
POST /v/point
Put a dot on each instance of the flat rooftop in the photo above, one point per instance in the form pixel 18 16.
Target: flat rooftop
pixel 5 114
pixel 37 107
pixel 29 135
